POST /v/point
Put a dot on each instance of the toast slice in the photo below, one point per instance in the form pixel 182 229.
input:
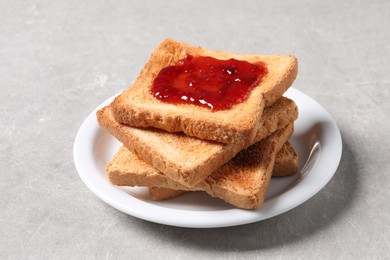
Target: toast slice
pixel 286 161
pixel 242 182
pixel 137 107
pixel 286 164
pixel 186 159
pixel 160 193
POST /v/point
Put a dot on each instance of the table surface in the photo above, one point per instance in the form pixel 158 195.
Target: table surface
pixel 60 59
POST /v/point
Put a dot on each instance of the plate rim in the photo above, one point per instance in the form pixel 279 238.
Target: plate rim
pixel 186 219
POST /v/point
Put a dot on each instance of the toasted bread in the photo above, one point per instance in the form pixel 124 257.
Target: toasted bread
pixel 186 159
pixel 286 164
pixel 286 161
pixel 242 182
pixel 160 193
pixel 137 107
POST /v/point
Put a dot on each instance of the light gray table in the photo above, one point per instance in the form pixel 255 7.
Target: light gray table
pixel 60 59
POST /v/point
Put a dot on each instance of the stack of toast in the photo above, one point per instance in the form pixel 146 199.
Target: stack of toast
pixel 174 148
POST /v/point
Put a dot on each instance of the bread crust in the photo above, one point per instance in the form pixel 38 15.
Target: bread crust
pixel 286 164
pixel 286 161
pixel 159 193
pixel 242 182
pixel 137 107
pixel 189 160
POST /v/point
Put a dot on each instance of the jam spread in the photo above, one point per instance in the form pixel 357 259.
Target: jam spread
pixel 207 82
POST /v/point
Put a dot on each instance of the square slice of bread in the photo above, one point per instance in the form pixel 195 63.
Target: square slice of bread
pixel 286 164
pixel 189 160
pixel 242 182
pixel 137 107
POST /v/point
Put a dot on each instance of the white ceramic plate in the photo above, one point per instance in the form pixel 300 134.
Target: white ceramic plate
pixel 316 138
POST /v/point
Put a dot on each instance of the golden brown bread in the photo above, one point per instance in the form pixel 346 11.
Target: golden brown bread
pixel 186 159
pixel 286 161
pixel 242 182
pixel 137 107
pixel 286 164
pixel 160 193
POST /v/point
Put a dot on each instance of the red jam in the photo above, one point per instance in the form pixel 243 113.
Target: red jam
pixel 208 82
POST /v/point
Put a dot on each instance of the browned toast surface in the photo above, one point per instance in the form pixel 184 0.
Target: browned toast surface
pixel 186 159
pixel 136 106
pixel 286 161
pixel 159 193
pixel 286 164
pixel 243 181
